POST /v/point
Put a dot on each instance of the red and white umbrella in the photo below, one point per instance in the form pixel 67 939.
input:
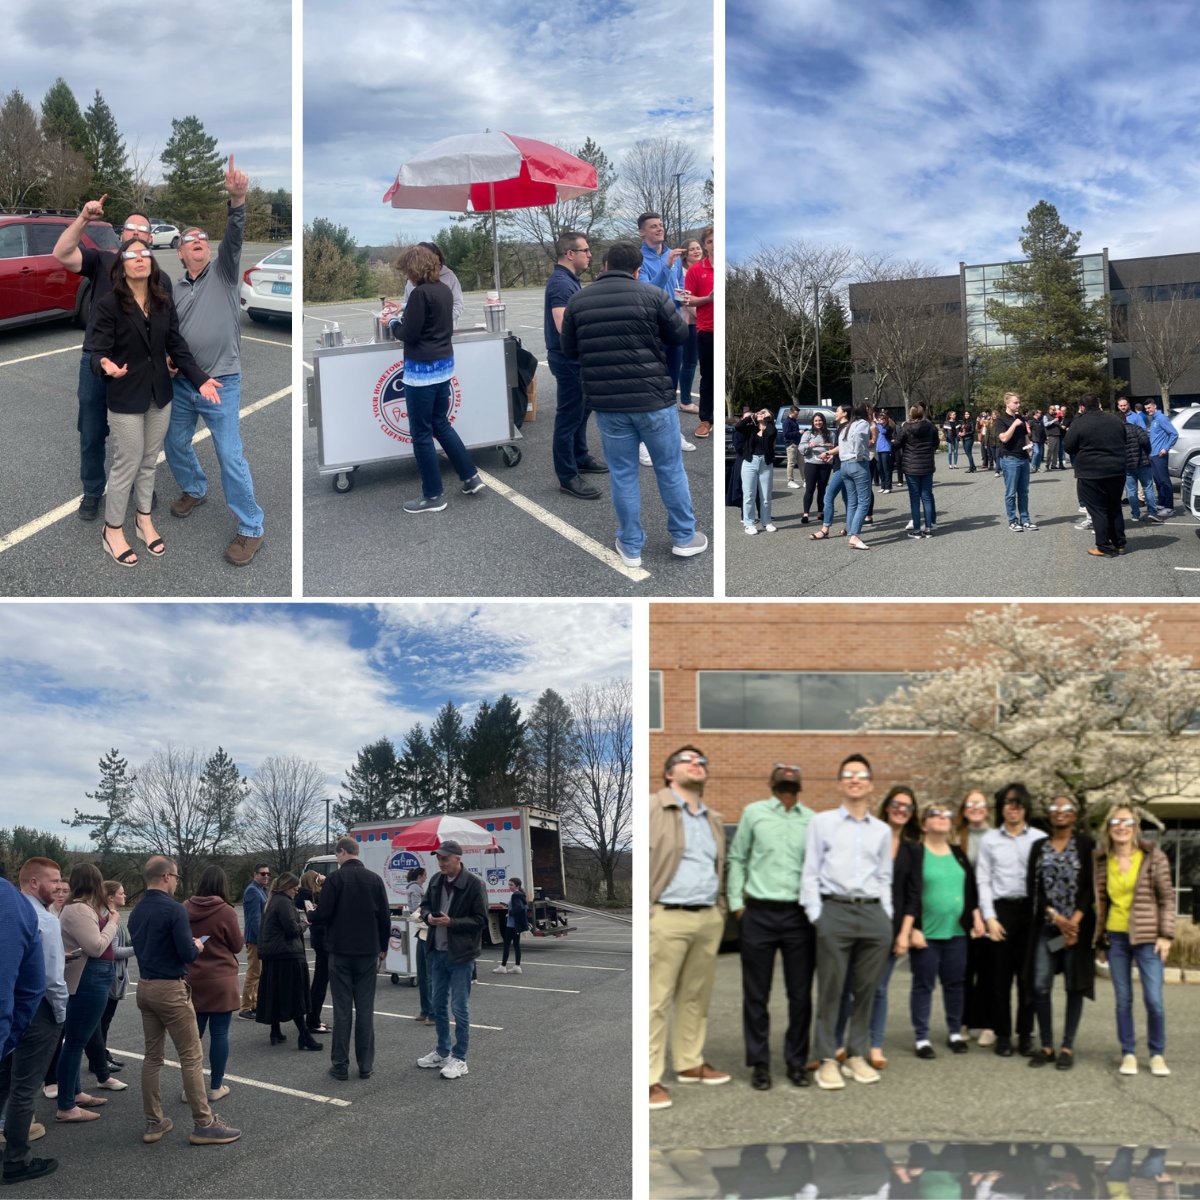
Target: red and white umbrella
pixel 484 172
pixel 429 834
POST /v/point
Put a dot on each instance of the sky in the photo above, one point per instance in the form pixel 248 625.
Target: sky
pixel 927 129
pixel 226 63
pixel 378 92
pixel 315 680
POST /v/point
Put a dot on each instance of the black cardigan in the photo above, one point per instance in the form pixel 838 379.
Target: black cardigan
pixel 427 326
pixel 282 934
pixel 748 428
pixel 121 337
pixel 915 865
pixel 1080 965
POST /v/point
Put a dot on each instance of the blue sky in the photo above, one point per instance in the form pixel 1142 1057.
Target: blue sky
pixel 383 82
pixel 226 64
pixel 314 680
pixel 928 129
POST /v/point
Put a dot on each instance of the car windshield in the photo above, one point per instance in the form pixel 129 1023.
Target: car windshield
pixel 281 258
pixel 103 234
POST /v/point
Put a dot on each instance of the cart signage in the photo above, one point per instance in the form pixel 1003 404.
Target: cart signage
pixel 398 867
pixel 390 407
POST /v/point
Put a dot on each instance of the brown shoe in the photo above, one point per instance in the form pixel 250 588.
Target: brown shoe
pixel 242 549
pixel 659 1096
pixel 184 505
pixel 703 429
pixel 704 1073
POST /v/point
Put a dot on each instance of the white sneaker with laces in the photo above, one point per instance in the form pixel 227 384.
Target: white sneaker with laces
pixel 455 1068
pixel 792 483
pixel 684 444
pixel 499 970
pixel 514 970
pixel 751 530
pixel 1158 1065
pixel 644 456
pixel 432 1061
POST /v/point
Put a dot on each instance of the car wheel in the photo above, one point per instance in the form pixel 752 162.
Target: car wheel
pixel 258 317
pixel 174 243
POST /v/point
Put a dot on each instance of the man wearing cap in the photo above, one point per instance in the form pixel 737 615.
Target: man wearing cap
pixel 687 864
pixel 455 909
pixel 766 863
pixel 354 913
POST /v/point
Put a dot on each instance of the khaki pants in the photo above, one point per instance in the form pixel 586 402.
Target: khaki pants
pixel 793 458
pixel 683 959
pixel 253 971
pixel 166 1008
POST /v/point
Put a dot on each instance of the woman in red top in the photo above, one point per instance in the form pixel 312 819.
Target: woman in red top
pixel 698 282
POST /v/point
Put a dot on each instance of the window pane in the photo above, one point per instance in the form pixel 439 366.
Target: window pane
pixel 12 241
pixel 790 700
pixel 656 700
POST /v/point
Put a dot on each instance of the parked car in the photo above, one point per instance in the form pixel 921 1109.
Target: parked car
pixel 1189 488
pixel 1187 448
pixel 163 234
pixel 34 286
pixel 266 290
pixel 805 419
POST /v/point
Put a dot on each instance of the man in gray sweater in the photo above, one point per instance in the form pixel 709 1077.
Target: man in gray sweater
pixel 206 299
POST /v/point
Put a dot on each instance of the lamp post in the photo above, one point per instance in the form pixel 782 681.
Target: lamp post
pixel 328 802
pixel 817 325
pixel 679 204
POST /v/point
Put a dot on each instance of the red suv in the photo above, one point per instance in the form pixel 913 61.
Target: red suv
pixel 34 285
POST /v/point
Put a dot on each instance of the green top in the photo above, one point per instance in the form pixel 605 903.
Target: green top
pixel 766 858
pixel 1121 885
pixel 943 894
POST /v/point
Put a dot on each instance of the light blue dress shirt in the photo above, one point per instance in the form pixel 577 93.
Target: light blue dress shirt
pixel 1000 871
pixel 846 856
pixel 55 958
pixel 695 881
pixel 655 269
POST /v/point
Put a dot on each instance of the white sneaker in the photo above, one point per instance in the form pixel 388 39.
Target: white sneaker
pixel 644 456
pixel 514 970
pixel 861 1071
pixel 112 1084
pixel 792 483
pixel 909 525
pixel 751 530
pixel 829 1076
pixel 684 444
pixel 630 560
pixel 1128 1065
pixel 987 1038
pixel 432 1061
pixel 1158 1065
pixel 499 970
pixel 50 1091
pixel 455 1068
pixel 769 528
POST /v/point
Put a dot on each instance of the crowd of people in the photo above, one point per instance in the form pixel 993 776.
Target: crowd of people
pixel 976 896
pixel 64 970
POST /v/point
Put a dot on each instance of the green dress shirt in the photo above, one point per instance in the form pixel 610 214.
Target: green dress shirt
pixel 766 858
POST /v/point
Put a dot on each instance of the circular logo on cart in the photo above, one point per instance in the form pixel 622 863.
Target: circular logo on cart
pixel 390 405
pixel 398 867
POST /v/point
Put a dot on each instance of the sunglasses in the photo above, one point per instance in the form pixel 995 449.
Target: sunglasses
pixel 786 767
pixel 861 776
pixel 136 254
pixel 195 237
pixel 1122 822
pixel 697 760
pixel 939 812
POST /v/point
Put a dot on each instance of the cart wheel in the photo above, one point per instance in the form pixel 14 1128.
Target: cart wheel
pixel 511 455
pixel 395 979
pixel 412 981
pixel 343 481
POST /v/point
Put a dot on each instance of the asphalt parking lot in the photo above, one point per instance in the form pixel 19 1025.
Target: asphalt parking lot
pixel 544 1111
pixel 973 553
pixel 46 551
pixel 520 536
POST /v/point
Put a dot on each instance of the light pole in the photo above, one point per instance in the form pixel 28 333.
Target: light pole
pixel 679 204
pixel 817 324
pixel 328 802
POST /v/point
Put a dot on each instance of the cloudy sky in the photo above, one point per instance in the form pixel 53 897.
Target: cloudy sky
pixel 929 128
pixel 314 680
pixel 223 62
pixel 379 88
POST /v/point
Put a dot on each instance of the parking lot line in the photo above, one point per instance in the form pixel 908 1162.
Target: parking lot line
pixel 9 362
pixel 336 1101
pixel 564 966
pixel 265 341
pixel 1187 568
pixel 17 536
pixel 524 987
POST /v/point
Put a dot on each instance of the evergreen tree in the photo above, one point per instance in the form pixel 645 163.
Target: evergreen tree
pixel 447 739
pixel 837 361
pixel 105 150
pixel 195 177
pixel 24 842
pixel 1057 340
pixel 111 800
pixel 416 774
pixel 552 751
pixel 494 755
pixel 223 789
pixel 62 118
pixel 370 790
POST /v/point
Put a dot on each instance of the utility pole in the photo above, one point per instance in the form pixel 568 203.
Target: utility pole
pixel 328 802
pixel 679 207
pixel 817 323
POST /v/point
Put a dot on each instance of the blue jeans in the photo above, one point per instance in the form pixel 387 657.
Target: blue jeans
pixel 218 1050
pixel 857 476
pixel 1046 964
pixel 1121 957
pixel 1162 479
pixel 429 418
pixel 758 475
pixel 968 444
pixel 833 489
pixel 1016 487
pixel 920 495
pixel 223 423
pixel 883 462
pixel 952 452
pixel 450 982
pixel 1144 476
pixel 879 1005
pixel 84 1010
pixel 1035 459
pixel 659 432
pixel 570 417
pixel 92 424
pixel 687 368
pixel 944 959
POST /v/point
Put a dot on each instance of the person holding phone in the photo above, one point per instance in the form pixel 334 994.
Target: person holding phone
pixel 1062 906
pixel 758 469
pixel 284 992
pixel 1012 449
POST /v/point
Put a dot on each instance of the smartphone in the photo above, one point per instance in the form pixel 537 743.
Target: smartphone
pixel 1056 943
pixel 206 937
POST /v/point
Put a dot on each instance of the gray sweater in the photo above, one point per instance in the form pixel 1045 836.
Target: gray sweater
pixel 209 315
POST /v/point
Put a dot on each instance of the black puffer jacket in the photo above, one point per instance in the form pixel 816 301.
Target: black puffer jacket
pixel 917 443
pixel 282 934
pixel 616 330
pixel 1096 443
pixel 1137 448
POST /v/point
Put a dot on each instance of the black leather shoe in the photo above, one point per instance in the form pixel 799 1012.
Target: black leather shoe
pixel 365 1074
pixel 311 1044
pixel 1003 1047
pixel 926 1051
pixel 89 510
pixel 760 1078
pixel 799 1076
pixel 339 1072
pixel 591 466
pixel 1042 1058
pixel 1066 1060
pixel 277 1039
pixel 959 1045
pixel 575 486
pixel 1025 1047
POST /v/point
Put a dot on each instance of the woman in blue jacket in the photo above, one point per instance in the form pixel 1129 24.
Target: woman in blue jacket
pixel 515 924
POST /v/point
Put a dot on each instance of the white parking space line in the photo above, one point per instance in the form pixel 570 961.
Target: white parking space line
pixel 266 341
pixel 9 362
pixel 563 966
pixel 410 1017
pixel 336 1101
pixel 1187 568
pixel 524 987
pixel 17 536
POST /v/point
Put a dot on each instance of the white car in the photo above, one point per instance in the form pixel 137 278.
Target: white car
pixel 163 235
pixel 266 289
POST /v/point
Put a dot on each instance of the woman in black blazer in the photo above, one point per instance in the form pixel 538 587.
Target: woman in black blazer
pixel 134 329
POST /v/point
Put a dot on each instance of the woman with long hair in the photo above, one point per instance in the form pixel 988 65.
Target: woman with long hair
pixel 283 994
pixel 692 254
pixel 816 448
pixel 89 926
pixel 916 445
pixel 213 977
pixel 972 821
pixel 1135 924
pixel 700 286
pixel 307 899
pixel 758 469
pixel 134 331
pixel 100 1062
pixel 516 922
pixel 966 438
pixel 854 454
pixel 417 882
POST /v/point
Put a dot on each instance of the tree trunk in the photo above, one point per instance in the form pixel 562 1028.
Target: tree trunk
pixel 1165 393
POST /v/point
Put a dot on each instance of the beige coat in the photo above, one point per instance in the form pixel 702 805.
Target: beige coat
pixel 81 930
pixel 1153 912
pixel 666 843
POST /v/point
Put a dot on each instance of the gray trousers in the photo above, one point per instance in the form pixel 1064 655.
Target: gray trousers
pixel 21 1076
pixel 137 439
pixel 352 982
pixel 844 931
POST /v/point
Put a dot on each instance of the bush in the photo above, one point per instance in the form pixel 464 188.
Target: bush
pixel 1185 950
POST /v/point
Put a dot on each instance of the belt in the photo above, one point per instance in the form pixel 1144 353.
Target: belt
pixel 852 899
pixel 773 905
pixel 688 907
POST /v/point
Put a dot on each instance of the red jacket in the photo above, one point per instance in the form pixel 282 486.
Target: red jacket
pixel 214 975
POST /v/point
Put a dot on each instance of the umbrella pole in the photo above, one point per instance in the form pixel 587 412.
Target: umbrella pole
pixel 495 242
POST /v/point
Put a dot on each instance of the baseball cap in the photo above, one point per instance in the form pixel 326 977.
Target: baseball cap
pixel 448 848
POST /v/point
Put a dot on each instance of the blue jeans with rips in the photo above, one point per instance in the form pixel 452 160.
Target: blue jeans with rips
pixel 620 433
pixel 223 423
pixel 1121 958
pixel 92 424
pixel 450 984
pixel 1016 488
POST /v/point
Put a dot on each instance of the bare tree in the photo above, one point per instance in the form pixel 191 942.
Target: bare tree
pixel 141 168
pixel 66 175
pixel 1164 331
pixel 598 805
pixel 648 184
pixel 21 151
pixel 286 809
pixel 746 323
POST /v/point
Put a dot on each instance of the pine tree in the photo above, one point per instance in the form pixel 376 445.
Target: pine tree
pixel 370 790
pixel 494 756
pixel 416 774
pixel 837 361
pixel 105 150
pixel 62 118
pixel 223 789
pixel 111 799
pixel 552 750
pixel 448 742
pixel 195 180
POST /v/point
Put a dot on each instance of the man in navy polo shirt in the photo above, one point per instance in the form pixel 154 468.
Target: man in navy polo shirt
pixel 571 457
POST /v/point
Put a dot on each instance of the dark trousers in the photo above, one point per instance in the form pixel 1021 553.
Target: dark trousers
pixel 20 1075
pixel 1162 480
pixel 1102 499
pixel 96 1049
pixel 763 933
pixel 352 982
pixel 674 363
pixel 1046 964
pixel 570 418
pixel 849 933
pixel 320 983
pixel 423 977
pixel 976 1011
pixel 512 938
pixel 704 344
pixel 816 479
pixel 968 444
pixel 1005 961
pixel 92 424
pixel 944 959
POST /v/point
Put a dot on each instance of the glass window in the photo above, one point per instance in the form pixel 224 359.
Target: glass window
pixel 996 272
pixel 974 287
pixel 796 701
pixel 42 238
pixel 972 273
pixel 656 718
pixel 281 258
pixel 1193 422
pixel 12 240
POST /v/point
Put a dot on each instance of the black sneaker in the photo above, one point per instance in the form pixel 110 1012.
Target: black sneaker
pixel 89 510
pixel 35 1168
pixel 251 1015
pixel 575 486
pixel 472 485
pixel 591 466
pixel 339 1073
pixel 434 504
